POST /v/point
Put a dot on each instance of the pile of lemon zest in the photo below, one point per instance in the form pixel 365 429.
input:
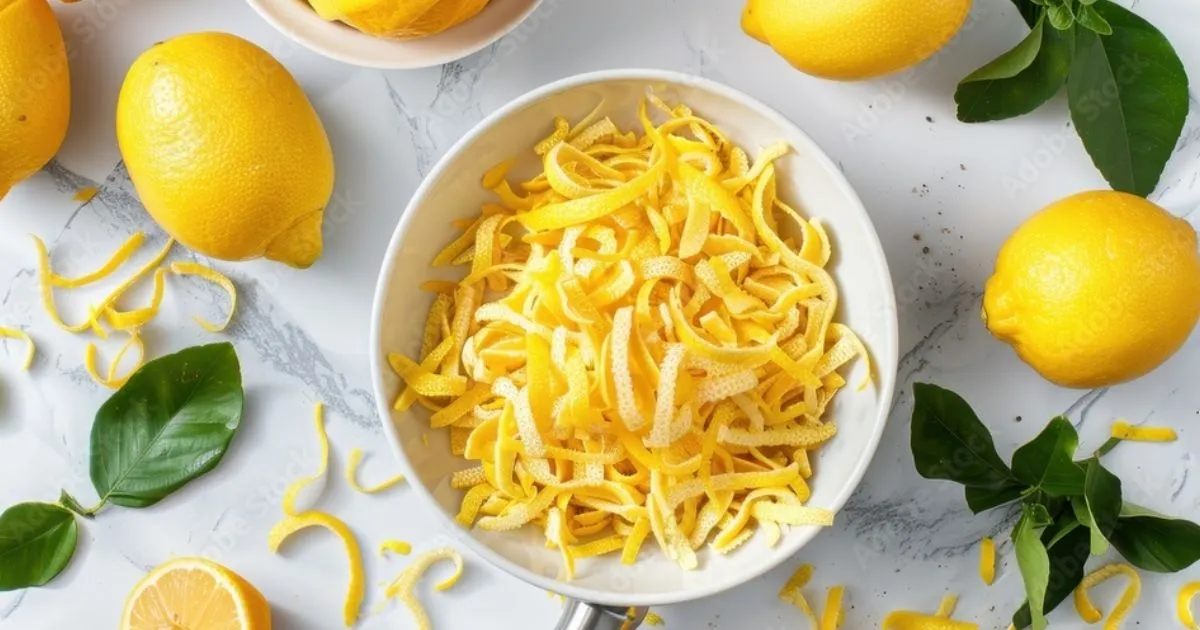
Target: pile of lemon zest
pixel 292 493
pixel 649 357
pixel 404 586
pixel 1183 605
pixel 987 560
pixel 394 546
pixel 1122 430
pixel 834 615
pixel 1088 611
pixel 216 277
pixel 30 348
pixel 294 523
pixel 356 457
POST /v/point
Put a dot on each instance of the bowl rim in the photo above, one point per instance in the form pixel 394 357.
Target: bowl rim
pixel 378 355
pixel 266 9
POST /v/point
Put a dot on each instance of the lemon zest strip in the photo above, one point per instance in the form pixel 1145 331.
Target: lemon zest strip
pixel 352 465
pixel 292 493
pixel 216 277
pixel 987 560
pixel 30 348
pixel 1183 605
pixel 1088 611
pixel 1122 430
pixel 294 523
pixel 403 586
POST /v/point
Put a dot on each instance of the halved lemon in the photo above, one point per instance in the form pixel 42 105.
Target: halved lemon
pixel 195 594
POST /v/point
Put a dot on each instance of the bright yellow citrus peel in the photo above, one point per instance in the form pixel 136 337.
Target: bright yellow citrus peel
pixel 1183 605
pixel 643 342
pixel 403 588
pixel 216 277
pixel 834 615
pixel 1088 611
pixel 395 546
pixel 987 560
pixel 356 457
pixel 1122 430
pixel 357 588
pixel 30 348
pixel 302 493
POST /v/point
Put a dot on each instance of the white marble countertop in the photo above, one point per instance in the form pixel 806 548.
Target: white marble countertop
pixel 942 194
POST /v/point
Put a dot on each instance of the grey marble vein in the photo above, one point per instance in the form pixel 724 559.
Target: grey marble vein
pixel 12 606
pixel 417 128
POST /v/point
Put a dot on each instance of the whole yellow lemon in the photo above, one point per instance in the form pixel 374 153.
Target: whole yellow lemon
pixel 399 19
pixel 35 89
pixel 854 39
pixel 225 150
pixel 1096 289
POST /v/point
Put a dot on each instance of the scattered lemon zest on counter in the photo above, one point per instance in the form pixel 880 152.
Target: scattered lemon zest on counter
pixel 403 586
pixel 356 457
pixel 395 546
pixel 1183 605
pixel 946 607
pixel 85 194
pixel 136 318
pixel 216 277
pixel 909 620
pixel 653 619
pixel 1122 430
pixel 30 347
pixel 294 523
pixel 1088 611
pixel 111 380
pixel 792 592
pixel 987 560
pixel 834 614
pixel 292 493
pixel 630 328
pixel 120 257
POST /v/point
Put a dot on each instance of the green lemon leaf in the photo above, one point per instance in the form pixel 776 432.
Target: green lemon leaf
pixel 983 499
pixel 1020 80
pixel 1100 506
pixel 1068 554
pixel 169 424
pixel 1034 562
pixel 37 541
pixel 949 442
pixel 1155 543
pixel 1046 462
pixel 1030 11
pixel 1128 94
pixel 1091 19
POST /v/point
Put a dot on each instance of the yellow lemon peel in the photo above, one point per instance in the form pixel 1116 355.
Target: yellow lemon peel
pixel 834 615
pixel 356 457
pixel 642 344
pixel 987 561
pixel 216 277
pixel 356 589
pixel 1183 605
pixel 653 619
pixel 30 348
pixel 403 586
pixel 395 546
pixel 1122 430
pixel 292 495
pixel 119 257
pixel 111 380
pixel 1088 611
pixel 792 591
pixel 909 620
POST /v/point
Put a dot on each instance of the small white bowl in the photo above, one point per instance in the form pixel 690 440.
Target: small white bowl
pixel 297 20
pixel 452 191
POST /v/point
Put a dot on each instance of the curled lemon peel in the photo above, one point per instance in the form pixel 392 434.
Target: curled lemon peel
pixel 136 318
pixel 793 592
pixel 119 257
pixel 399 547
pixel 1088 611
pixel 987 561
pixel 834 615
pixel 356 457
pixel 642 345
pixel 292 494
pixel 216 277
pixel 111 379
pixel 1183 605
pixel 403 587
pixel 357 584
pixel 30 347
pixel 909 620
pixel 1122 430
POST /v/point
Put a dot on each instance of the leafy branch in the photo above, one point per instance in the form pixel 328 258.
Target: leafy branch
pixel 1126 87
pixel 1070 509
pixel 169 424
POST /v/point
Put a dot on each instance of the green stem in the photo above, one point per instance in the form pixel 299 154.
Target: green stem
pixel 1107 447
pixel 70 503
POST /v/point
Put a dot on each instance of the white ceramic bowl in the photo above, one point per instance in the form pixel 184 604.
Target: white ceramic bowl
pixel 297 20
pixel 452 191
